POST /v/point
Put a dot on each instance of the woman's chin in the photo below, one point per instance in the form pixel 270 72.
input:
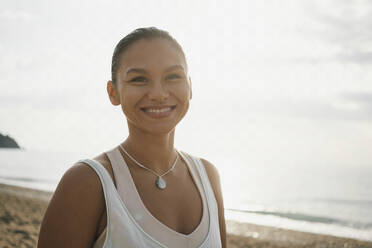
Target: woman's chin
pixel 153 128
pixel 159 130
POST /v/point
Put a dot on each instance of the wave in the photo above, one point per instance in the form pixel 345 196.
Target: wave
pixel 32 183
pixel 26 179
pixel 307 217
pixel 343 201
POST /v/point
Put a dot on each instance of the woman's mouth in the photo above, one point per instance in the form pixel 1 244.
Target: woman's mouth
pixel 158 111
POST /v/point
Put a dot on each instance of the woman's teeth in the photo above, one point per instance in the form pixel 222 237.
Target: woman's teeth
pixel 157 110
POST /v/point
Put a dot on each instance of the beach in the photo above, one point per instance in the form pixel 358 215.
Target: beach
pixel 22 209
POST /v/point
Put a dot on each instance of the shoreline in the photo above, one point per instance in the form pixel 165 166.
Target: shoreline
pixel 22 209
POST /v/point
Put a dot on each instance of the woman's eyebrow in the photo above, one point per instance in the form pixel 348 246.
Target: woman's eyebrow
pixel 136 70
pixel 173 67
pixel 143 71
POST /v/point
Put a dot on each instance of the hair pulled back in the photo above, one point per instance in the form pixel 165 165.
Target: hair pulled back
pixel 131 38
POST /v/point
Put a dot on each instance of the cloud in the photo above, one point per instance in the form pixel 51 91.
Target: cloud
pixel 364 99
pixel 342 26
pixel 344 22
pixel 12 15
pixel 348 106
pixel 358 57
pixel 354 57
pixel 40 100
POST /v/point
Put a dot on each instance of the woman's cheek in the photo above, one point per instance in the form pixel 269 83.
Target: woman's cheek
pixel 183 90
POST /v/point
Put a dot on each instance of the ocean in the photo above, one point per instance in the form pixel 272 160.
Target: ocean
pixel 327 200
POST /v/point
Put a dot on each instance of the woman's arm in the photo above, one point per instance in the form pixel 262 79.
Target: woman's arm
pixel 72 217
pixel 214 178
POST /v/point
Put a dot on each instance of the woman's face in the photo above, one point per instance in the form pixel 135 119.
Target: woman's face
pixel 153 87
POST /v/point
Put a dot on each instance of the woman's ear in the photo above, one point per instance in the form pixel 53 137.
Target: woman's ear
pixel 112 93
pixel 190 88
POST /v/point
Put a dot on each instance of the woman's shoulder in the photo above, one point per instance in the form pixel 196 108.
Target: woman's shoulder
pixel 213 176
pixel 214 179
pixel 81 170
pixel 80 186
pixel 77 204
pixel 80 180
pixel 209 167
pixel 105 162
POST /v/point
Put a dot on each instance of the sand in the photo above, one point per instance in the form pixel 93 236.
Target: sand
pixel 21 212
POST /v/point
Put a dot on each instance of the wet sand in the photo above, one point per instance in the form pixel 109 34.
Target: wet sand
pixel 21 212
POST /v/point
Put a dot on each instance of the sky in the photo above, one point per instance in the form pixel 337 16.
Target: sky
pixel 274 82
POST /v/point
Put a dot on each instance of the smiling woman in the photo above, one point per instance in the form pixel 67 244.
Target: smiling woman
pixel 142 193
pixel 152 85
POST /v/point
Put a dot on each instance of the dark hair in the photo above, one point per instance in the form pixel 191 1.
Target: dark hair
pixel 138 34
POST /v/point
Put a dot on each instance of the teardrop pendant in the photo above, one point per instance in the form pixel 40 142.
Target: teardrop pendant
pixel 160 183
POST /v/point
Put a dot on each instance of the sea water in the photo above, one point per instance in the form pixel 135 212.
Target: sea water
pixel 327 200
pixel 334 200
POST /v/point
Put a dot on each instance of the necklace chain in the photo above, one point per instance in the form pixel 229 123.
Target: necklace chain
pixel 148 169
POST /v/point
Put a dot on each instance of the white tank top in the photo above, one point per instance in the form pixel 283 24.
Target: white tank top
pixel 130 224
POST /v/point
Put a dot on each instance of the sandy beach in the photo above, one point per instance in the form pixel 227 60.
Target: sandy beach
pixel 22 209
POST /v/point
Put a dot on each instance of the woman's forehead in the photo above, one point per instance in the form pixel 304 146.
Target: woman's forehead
pixel 151 53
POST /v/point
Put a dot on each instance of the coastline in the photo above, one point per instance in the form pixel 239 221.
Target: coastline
pixel 22 209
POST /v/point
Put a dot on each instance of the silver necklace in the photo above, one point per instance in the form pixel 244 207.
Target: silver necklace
pixel 160 183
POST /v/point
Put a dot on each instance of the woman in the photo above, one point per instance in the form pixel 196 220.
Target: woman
pixel 143 193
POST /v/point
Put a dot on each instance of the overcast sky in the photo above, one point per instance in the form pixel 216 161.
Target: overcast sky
pixel 274 82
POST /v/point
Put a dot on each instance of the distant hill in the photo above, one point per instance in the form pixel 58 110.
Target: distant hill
pixel 9 142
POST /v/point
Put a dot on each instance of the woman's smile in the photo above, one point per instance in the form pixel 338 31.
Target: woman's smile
pixel 158 112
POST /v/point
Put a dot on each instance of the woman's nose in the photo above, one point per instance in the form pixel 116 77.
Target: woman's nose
pixel 158 91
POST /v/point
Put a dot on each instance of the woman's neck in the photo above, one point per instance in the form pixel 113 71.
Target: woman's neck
pixel 153 151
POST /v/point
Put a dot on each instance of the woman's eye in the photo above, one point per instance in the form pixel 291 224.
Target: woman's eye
pixel 139 80
pixel 173 76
